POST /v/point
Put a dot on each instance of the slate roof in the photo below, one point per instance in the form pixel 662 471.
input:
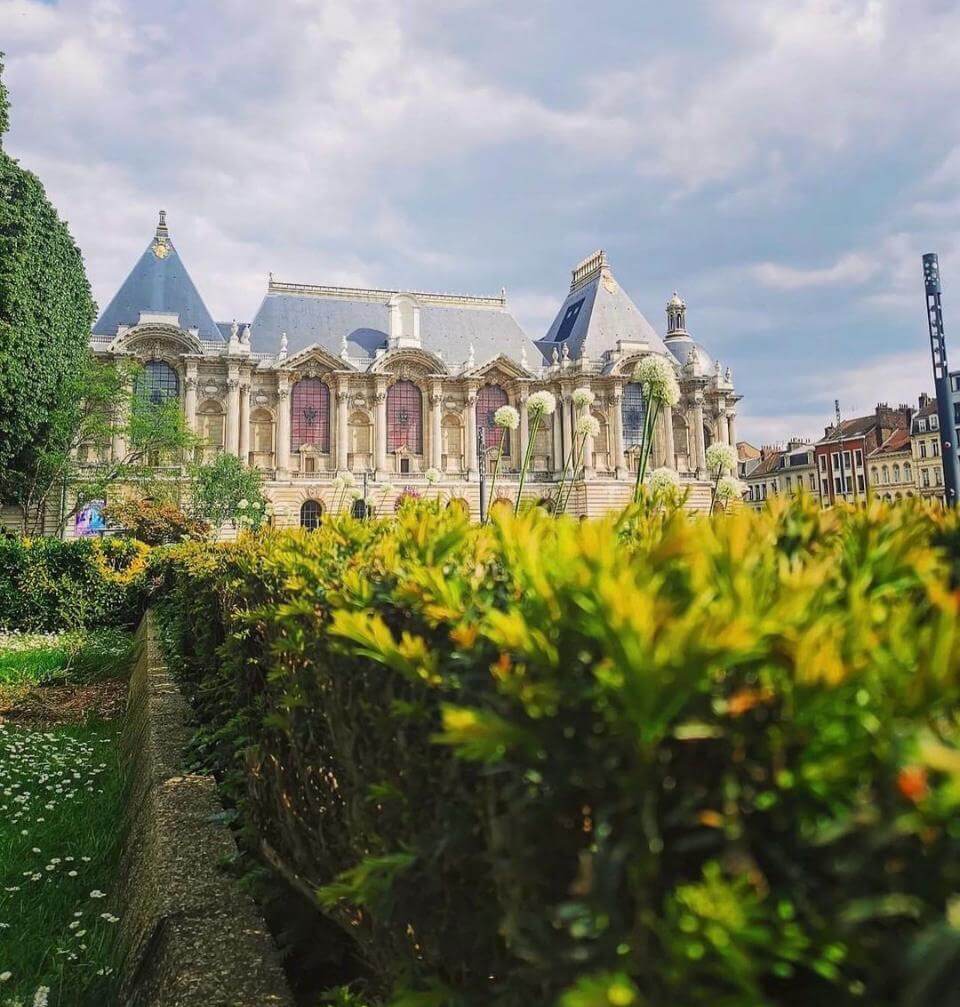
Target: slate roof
pixel 897 442
pixel 680 346
pixel 449 325
pixel 159 282
pixel 857 426
pixel 596 314
pixel 771 463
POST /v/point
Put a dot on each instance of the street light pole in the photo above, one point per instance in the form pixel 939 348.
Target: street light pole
pixel 941 380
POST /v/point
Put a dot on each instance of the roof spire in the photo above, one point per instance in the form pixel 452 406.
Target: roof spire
pixel 162 225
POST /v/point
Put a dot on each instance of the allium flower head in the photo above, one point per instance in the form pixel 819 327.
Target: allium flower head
pixel 242 505
pixel 541 404
pixel 663 480
pixel 583 397
pixel 721 459
pixel 432 475
pixel 587 426
pixel 659 380
pixel 729 488
pixel 507 417
pixel 349 479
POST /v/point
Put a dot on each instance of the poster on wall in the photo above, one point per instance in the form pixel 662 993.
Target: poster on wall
pixel 90 520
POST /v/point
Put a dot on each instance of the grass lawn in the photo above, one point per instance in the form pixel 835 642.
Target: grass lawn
pixel 61 796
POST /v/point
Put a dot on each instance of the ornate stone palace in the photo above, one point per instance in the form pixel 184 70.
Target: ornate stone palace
pixel 392 383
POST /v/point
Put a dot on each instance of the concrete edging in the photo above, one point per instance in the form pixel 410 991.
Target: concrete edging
pixel 189 936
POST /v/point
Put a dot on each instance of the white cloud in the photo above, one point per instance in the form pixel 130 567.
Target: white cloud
pixel 853 268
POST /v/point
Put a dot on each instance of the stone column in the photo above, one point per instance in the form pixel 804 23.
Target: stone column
pixel 732 428
pixel 587 452
pixel 380 428
pixel 283 426
pixel 244 436
pixel 190 396
pixel 671 456
pixel 557 438
pixel 619 458
pixel 473 471
pixel 233 412
pixel 343 399
pixel 436 403
pixel 523 431
pixel 699 449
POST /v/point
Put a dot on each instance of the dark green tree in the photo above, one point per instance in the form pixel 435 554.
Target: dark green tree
pixel 45 316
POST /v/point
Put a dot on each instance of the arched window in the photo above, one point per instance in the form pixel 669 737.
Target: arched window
pixel 310 415
pixel 632 410
pixel 405 417
pixel 489 399
pixel 310 511
pixel 896 472
pixel 875 474
pixel 907 472
pixel 451 443
pixel 886 474
pixel 157 383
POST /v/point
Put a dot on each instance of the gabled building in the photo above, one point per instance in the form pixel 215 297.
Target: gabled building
pixel 780 470
pixel 388 384
pixel 841 452
pixel 891 474
pixel 925 448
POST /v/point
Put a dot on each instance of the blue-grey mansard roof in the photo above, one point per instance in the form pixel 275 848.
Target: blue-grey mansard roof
pixel 158 283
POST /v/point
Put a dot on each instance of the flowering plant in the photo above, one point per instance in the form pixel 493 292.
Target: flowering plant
pixel 721 459
pixel 583 397
pixel 507 418
pixel 658 379
pixel 539 405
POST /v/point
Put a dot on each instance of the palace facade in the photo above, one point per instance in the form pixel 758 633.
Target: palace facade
pixel 387 384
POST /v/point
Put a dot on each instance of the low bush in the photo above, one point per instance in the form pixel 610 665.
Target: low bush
pixel 655 761
pixel 154 522
pixel 47 584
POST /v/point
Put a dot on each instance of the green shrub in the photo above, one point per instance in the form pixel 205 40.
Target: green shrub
pixel 660 761
pixel 47 584
pixel 154 522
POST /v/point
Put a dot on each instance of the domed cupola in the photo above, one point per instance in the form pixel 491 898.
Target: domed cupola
pixel 676 316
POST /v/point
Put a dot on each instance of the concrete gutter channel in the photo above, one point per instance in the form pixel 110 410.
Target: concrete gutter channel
pixel 189 936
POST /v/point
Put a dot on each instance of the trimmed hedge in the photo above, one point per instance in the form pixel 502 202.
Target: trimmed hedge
pixel 47 584
pixel 670 761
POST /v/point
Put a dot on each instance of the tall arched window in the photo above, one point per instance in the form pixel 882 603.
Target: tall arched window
pixel 157 383
pixel 632 410
pixel 404 417
pixel 907 472
pixel 310 415
pixel 310 512
pixel 896 472
pixel 489 399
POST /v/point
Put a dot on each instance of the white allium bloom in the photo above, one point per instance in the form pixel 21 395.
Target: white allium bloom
pixel 40 997
pixel 5 976
pixel 663 479
pixel 541 404
pixel 587 426
pixel 659 380
pixel 729 488
pixel 507 417
pixel 255 505
pixel 97 894
pixel 432 475
pixel 349 479
pixel 583 397
pixel 385 488
pixel 242 504
pixel 721 459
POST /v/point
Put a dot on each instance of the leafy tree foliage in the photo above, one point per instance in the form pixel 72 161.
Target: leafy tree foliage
pixel 81 463
pixel 227 490
pixel 45 316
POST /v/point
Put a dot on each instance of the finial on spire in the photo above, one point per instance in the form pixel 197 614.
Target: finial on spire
pixel 162 224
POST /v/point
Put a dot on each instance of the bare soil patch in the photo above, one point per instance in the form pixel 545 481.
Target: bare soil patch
pixel 63 704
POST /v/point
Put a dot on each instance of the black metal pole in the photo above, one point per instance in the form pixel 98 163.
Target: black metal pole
pixel 482 461
pixel 941 379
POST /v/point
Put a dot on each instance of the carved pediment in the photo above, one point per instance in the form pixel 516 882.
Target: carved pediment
pixel 314 362
pixel 154 340
pixel 499 368
pixel 408 362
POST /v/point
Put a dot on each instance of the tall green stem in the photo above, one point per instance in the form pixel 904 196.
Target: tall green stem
pixel 577 452
pixel 648 424
pixel 493 482
pixel 531 437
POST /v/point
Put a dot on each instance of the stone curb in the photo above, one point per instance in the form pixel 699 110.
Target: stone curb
pixel 189 936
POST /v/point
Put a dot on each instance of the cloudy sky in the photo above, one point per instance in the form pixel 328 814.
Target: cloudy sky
pixel 783 163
